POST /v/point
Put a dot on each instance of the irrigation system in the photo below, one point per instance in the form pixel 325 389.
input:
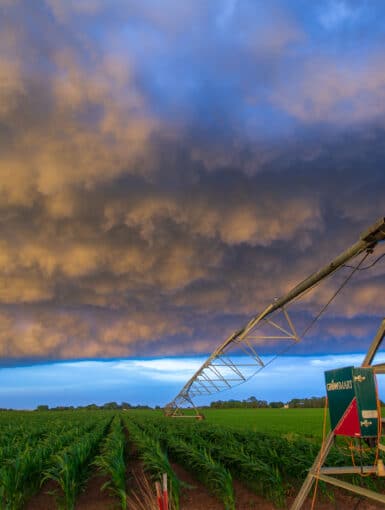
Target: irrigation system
pixel 225 369
pixel 354 407
pixel 359 420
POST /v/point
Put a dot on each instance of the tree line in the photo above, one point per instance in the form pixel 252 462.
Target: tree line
pixel 253 402
pixel 93 407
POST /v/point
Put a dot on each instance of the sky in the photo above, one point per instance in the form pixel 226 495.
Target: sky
pixel 168 168
pixel 154 381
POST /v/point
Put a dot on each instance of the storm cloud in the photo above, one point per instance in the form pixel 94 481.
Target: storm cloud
pixel 166 171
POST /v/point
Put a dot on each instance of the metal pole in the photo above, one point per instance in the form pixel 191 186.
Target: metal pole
pixel 309 480
pixel 375 345
pixel 325 449
pixel 368 241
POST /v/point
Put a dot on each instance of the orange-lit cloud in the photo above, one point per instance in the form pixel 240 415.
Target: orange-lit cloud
pixel 149 205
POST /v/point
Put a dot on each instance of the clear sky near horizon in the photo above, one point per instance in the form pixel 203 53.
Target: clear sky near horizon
pixel 166 170
pixel 155 382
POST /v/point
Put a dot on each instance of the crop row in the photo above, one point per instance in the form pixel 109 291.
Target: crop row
pixel 65 451
pixel 214 462
pixel 55 452
pixel 66 448
pixel 272 466
pixel 154 459
pixel 111 461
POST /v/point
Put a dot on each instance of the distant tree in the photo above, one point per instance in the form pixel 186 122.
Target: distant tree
pixel 110 405
pixel 276 405
pixel 92 407
pixel 312 402
pixel 253 402
pixel 42 408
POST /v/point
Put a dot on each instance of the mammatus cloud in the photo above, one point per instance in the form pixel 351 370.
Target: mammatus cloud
pixel 159 184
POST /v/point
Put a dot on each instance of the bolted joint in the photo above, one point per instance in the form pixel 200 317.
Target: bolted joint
pixel 375 233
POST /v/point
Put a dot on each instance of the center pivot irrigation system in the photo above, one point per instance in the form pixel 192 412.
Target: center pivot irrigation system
pixel 273 326
pixel 353 409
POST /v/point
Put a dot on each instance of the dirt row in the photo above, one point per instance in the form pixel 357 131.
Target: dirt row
pixel 193 497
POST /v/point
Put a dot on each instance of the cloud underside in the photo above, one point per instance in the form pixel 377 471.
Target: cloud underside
pixel 156 193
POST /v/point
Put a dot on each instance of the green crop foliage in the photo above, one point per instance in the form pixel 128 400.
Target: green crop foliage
pixel 154 459
pixel 25 457
pixel 70 467
pixel 269 450
pixel 194 457
pixel 265 463
pixel 13 473
pixel 111 462
pixel 199 461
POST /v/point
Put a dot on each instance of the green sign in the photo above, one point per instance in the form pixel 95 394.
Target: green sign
pixel 352 400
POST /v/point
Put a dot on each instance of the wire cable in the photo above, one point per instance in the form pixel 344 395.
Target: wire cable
pixel 355 268
pixel 307 329
pixel 367 267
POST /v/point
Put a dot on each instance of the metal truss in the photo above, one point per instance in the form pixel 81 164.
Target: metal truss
pixel 226 368
pixel 319 471
pixel 236 361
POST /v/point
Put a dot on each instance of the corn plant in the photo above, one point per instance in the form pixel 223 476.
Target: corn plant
pixel 144 496
pixel 20 476
pixel 155 460
pixel 69 469
pixel 261 466
pixel 21 473
pixel 261 477
pixel 211 473
pixel 13 473
pixel 111 462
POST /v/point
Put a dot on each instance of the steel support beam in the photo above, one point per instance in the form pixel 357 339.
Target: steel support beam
pixel 367 241
pixel 319 471
pixel 349 470
pixel 361 491
pixel 309 480
pixel 375 345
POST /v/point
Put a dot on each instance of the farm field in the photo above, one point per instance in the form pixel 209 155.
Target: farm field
pixel 307 422
pixel 93 460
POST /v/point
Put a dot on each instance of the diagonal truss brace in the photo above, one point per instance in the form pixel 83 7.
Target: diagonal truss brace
pixel 221 372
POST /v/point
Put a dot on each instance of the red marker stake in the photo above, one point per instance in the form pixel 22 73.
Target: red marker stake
pixel 159 495
pixel 165 492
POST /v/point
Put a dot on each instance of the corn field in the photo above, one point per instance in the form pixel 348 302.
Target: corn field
pixel 65 449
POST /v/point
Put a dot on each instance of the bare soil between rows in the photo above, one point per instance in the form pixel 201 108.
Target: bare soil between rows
pixel 194 496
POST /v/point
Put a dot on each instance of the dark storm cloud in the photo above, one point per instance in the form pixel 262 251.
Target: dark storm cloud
pixel 166 172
